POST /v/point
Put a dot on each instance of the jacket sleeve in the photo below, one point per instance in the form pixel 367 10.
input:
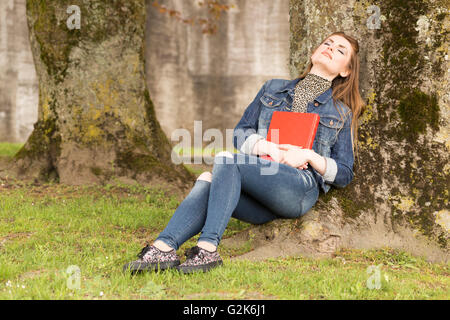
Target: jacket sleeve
pixel 245 133
pixel 339 172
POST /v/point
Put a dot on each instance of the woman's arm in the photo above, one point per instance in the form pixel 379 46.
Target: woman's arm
pixel 298 157
pixel 342 156
pixel 337 169
pixel 264 147
pixel 245 133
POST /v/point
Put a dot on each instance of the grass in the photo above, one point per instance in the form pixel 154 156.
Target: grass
pixel 9 149
pixel 198 152
pixel 47 232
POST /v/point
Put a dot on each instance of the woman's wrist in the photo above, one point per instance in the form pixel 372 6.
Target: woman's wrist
pixel 272 148
pixel 317 161
pixel 312 155
pixel 262 147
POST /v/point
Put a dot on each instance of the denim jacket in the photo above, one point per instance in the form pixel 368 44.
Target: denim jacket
pixel 333 139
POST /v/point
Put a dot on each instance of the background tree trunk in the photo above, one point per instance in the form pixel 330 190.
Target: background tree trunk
pixel 399 196
pixel 96 119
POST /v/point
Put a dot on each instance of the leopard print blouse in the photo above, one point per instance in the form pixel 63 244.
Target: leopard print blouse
pixel 307 90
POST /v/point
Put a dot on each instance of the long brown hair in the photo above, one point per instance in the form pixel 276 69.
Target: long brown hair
pixel 347 89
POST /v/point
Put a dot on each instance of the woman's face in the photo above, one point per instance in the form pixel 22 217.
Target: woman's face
pixel 333 56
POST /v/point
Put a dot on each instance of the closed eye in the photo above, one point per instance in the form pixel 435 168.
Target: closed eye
pixel 327 43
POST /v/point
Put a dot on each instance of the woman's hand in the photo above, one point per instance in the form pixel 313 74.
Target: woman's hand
pixel 294 156
pixel 276 153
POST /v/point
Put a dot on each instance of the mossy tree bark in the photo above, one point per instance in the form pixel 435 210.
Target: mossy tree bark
pixel 399 196
pixel 96 119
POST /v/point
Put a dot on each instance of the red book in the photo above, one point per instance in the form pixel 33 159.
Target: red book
pixel 294 128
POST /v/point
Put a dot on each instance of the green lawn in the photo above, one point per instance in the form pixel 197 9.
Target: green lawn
pixel 9 149
pixel 201 152
pixel 49 231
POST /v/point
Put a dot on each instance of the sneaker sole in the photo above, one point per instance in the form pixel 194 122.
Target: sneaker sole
pixel 203 267
pixel 141 267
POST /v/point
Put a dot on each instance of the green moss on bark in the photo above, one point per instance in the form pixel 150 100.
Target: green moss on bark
pixel 353 204
pixel 409 111
pixel 418 111
pixel 99 21
pixel 98 133
pixel 162 143
pixel 54 38
pixel 41 141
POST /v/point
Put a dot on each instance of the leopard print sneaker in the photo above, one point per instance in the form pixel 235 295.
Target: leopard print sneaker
pixel 153 259
pixel 198 259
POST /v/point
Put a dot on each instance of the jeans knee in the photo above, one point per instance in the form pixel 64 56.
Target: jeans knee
pixel 224 157
pixel 225 154
pixel 205 176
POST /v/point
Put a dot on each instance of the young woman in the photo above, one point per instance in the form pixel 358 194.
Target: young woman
pixel 245 186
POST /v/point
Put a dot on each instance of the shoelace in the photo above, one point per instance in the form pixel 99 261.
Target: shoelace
pixel 143 251
pixel 192 252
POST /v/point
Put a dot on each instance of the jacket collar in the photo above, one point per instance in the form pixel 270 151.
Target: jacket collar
pixel 290 89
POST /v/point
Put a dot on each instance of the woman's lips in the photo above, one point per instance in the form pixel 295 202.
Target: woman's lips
pixel 325 53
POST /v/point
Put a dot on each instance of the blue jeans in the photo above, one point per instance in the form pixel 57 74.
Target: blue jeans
pixel 245 187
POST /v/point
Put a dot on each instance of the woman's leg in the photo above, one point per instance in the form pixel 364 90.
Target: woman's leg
pixel 283 191
pixel 189 218
pixel 251 211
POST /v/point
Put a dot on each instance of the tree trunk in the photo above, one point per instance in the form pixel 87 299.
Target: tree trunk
pixel 96 119
pixel 399 196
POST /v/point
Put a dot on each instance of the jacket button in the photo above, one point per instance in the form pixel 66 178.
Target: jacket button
pixel 316 104
pixel 331 122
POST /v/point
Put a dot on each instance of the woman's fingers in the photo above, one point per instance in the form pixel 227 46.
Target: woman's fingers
pixel 303 167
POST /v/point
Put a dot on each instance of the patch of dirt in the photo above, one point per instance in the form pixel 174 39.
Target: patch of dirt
pixel 200 167
pixel 12 236
pixel 32 274
pixel 10 180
